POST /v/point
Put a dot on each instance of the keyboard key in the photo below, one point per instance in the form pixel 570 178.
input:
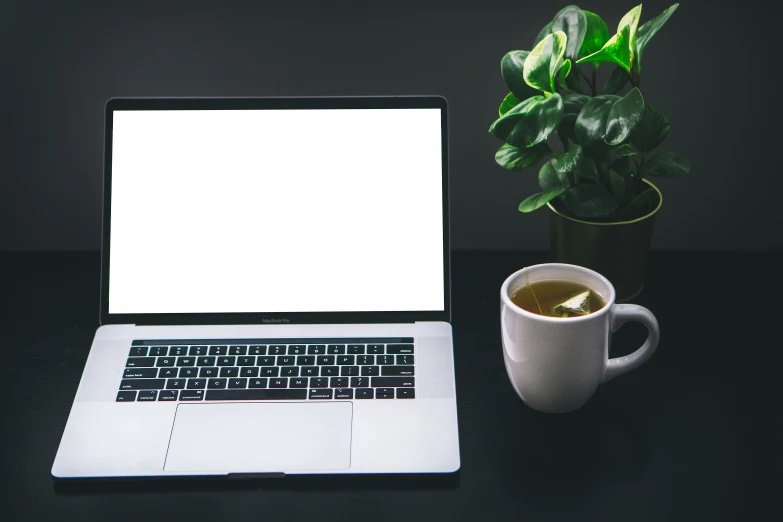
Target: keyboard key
pixel 248 371
pixel 209 372
pixel 375 348
pixel 349 371
pixel 279 382
pixel 297 349
pixel 175 384
pixel 403 393
pixel 188 372
pixel 365 393
pixel 343 393
pixel 384 359
pixel 360 382
pixel 309 371
pixel 142 384
pixel 256 395
pixel 397 370
pixel 384 393
pixel 299 382
pixel 286 360
pixel 138 351
pixel 289 371
pixel 320 394
pixel 196 384
pixel 246 361
pixel 205 361
pixel 316 349
pixel 192 395
pixel 126 396
pixel 269 360
pixel 325 359
pixel 368 371
pixel 167 395
pixel 270 371
pixel 338 382
pixel 257 383
pixel 257 349
pixel 276 349
pixel 399 348
pixel 218 350
pixel 216 384
pixel 237 350
pixel 330 371
pixel 229 371
pixel 346 359
pixel 237 383
pixel 305 360
pixel 393 382
pixel 227 361
pixel 356 349
pixel 185 361
pixel 140 373
pixel 319 382
pixel 167 372
pixel 178 350
pixel 404 359
pixel 165 361
pixel 335 349
pixel 140 362
pixel 157 351
pixel 197 350
pixel 147 395
pixel 365 359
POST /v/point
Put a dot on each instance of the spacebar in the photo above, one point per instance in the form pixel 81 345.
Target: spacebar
pixel 255 395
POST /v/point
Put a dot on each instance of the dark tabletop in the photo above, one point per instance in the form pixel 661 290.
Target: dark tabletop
pixel 694 434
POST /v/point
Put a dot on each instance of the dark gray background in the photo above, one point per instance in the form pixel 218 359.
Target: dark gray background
pixel 62 60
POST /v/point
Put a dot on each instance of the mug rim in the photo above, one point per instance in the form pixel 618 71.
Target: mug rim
pixel 506 299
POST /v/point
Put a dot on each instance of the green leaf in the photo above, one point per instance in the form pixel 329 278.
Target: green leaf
pixel 617 182
pixel 542 119
pixel 563 74
pixel 646 32
pixel 626 150
pixel 511 67
pixel 540 199
pixel 549 178
pixel 590 125
pixel 547 29
pixel 596 35
pixel 652 130
pixel 570 160
pixel 573 103
pixel 544 61
pixel 589 200
pixel 624 116
pixel 514 158
pixel 619 48
pixel 667 165
pixel 587 170
pixel 572 22
pixel 509 102
pixel 639 206
pixel 617 81
pixel 621 165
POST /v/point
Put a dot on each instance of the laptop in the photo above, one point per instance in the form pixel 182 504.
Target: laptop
pixel 274 292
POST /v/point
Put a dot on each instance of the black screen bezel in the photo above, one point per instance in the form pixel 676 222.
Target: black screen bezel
pixel 380 102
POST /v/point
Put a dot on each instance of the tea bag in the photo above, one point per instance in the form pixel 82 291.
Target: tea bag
pixel 578 304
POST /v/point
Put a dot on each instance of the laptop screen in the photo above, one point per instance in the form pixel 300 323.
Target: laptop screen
pixel 315 210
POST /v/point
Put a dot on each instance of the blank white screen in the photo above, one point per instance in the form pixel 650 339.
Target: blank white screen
pixel 276 211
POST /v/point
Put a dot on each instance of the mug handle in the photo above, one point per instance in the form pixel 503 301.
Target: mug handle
pixel 622 314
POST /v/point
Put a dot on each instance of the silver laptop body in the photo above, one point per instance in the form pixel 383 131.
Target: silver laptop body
pixel 275 292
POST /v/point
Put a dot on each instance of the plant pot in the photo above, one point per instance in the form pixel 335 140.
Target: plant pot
pixel 618 251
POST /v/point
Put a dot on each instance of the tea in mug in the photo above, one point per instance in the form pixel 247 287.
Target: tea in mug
pixel 557 299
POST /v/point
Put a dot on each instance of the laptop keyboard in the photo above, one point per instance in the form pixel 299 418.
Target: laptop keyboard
pixel 263 370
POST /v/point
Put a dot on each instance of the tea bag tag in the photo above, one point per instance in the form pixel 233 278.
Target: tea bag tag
pixel 577 305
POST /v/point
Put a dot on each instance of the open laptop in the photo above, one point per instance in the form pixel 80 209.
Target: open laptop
pixel 275 292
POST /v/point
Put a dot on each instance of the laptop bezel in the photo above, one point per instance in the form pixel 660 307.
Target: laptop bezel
pixel 292 103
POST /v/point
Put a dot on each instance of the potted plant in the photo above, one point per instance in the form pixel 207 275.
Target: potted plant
pixel 597 147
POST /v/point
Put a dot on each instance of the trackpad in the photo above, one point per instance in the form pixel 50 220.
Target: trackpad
pixel 260 437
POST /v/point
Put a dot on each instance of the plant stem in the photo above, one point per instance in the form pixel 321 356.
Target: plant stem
pixel 595 81
pixel 587 79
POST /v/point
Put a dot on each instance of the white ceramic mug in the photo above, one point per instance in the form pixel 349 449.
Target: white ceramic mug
pixel 555 364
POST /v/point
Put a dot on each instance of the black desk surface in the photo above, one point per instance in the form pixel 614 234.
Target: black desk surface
pixel 694 434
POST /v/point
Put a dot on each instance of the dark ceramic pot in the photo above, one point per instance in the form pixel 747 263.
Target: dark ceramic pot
pixel 618 251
